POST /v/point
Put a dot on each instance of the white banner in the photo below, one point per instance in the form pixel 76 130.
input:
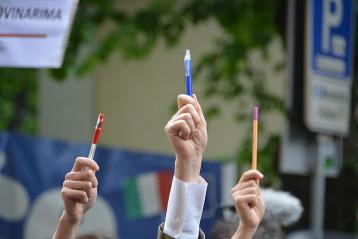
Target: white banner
pixel 34 33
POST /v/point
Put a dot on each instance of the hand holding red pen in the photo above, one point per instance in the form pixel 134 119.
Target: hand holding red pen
pixel 79 190
pixel 79 193
pixel 187 133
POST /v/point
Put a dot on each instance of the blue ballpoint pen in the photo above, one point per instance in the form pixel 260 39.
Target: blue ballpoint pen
pixel 187 66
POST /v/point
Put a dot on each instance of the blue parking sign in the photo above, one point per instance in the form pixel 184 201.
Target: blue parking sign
pixel 329 65
pixel 332 37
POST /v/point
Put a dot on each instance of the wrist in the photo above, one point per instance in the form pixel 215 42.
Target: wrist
pixel 66 227
pixel 70 221
pixel 187 170
pixel 244 232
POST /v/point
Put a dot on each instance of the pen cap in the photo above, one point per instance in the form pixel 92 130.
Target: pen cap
pixel 187 63
pixel 98 128
pixel 255 113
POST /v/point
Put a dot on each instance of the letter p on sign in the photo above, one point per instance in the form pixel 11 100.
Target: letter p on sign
pixel 332 18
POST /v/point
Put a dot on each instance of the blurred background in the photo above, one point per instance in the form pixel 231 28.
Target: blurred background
pixel 125 58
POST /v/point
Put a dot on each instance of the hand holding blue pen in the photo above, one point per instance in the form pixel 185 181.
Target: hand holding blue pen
pixel 187 67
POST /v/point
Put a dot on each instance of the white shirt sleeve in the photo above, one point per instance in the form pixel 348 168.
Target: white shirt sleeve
pixel 185 206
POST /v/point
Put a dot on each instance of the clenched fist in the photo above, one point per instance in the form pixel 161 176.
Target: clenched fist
pixel 187 134
pixel 79 189
pixel 249 203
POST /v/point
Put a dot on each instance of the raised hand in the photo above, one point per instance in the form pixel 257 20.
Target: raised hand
pixel 249 203
pixel 79 190
pixel 187 134
pixel 79 193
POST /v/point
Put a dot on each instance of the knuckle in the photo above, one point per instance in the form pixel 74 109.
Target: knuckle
pixel 186 115
pixel 234 196
pixel 95 182
pixel 83 194
pixel 252 184
pixel 65 183
pixel 88 173
pixel 63 193
pixel 88 185
pixel 239 199
pixel 84 197
pixel 190 107
pixel 234 190
pixel 167 127
pixel 68 175
pixel 181 123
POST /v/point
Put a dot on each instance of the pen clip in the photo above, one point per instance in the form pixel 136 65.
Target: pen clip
pixel 187 64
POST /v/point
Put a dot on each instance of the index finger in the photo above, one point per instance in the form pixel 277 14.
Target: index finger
pixel 251 175
pixel 184 100
pixel 82 162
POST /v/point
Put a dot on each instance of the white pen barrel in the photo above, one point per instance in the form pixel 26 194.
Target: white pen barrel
pixel 92 151
pixel 91 154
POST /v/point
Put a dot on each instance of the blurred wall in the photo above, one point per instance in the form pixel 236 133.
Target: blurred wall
pixel 137 97
pixel 66 108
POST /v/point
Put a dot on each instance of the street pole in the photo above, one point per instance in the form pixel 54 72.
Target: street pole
pixel 318 188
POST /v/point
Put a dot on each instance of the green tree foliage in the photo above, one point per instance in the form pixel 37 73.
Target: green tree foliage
pixel 18 99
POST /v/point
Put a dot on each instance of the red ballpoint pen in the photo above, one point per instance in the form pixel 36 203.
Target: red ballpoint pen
pixel 96 135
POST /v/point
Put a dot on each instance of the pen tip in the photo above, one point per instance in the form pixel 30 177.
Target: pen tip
pixel 101 116
pixel 187 52
pixel 100 121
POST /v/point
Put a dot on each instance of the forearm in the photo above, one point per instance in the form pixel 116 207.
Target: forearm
pixel 66 228
pixel 243 233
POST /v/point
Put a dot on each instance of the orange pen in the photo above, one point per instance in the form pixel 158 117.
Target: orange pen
pixel 254 137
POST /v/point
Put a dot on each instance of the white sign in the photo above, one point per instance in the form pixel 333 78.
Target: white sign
pixel 34 33
pixel 329 54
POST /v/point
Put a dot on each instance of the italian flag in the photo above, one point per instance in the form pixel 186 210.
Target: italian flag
pixel 147 194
